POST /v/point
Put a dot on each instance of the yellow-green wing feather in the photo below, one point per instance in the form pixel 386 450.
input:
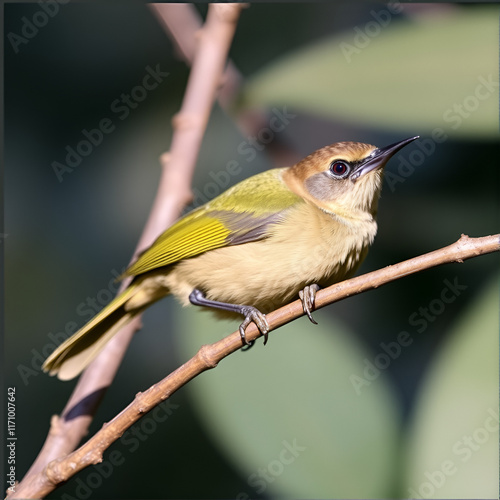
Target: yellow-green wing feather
pixel 261 194
pixel 239 215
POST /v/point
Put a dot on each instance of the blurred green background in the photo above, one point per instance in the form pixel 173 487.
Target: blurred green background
pixel 335 411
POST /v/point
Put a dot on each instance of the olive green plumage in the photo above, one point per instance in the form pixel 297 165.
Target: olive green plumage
pixel 253 248
pixel 254 204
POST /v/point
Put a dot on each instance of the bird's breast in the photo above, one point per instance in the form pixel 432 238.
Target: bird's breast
pixel 307 246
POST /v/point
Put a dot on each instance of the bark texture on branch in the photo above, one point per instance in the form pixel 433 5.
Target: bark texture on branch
pixel 174 191
pixel 209 356
pixel 182 23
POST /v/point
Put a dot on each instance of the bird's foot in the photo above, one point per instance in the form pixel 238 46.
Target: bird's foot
pixel 197 297
pixel 252 314
pixel 308 296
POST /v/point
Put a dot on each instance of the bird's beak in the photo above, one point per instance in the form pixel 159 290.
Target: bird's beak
pixel 379 157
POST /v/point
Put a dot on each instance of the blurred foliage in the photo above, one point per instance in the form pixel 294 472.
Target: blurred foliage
pixel 452 448
pixel 257 401
pixel 407 76
pixel 65 239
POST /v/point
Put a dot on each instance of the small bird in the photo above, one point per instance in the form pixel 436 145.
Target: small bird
pixel 279 234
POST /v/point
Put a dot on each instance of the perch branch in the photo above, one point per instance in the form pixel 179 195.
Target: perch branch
pixel 209 356
pixel 173 193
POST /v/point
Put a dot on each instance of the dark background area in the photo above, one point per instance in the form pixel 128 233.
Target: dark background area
pixel 63 238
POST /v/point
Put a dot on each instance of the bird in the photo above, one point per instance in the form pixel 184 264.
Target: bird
pixel 278 234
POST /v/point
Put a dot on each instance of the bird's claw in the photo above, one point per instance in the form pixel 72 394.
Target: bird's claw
pixel 253 315
pixel 308 296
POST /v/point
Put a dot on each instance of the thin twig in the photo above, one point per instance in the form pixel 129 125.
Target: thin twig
pixel 209 356
pixel 173 193
pixel 182 23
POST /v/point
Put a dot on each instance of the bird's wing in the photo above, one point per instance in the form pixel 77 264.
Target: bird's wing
pixel 241 214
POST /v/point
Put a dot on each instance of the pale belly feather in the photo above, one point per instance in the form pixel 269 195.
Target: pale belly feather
pixel 308 247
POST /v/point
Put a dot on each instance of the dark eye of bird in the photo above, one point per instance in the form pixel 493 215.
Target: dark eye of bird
pixel 339 169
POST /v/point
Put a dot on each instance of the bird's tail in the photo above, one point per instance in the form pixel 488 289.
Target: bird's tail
pixel 75 353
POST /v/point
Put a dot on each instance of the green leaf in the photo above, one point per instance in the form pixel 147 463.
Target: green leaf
pixel 418 75
pixel 296 393
pixel 453 441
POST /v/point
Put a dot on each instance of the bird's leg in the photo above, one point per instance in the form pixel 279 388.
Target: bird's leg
pixel 197 298
pixel 307 296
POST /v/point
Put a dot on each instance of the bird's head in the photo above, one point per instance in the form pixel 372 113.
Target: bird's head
pixel 344 178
